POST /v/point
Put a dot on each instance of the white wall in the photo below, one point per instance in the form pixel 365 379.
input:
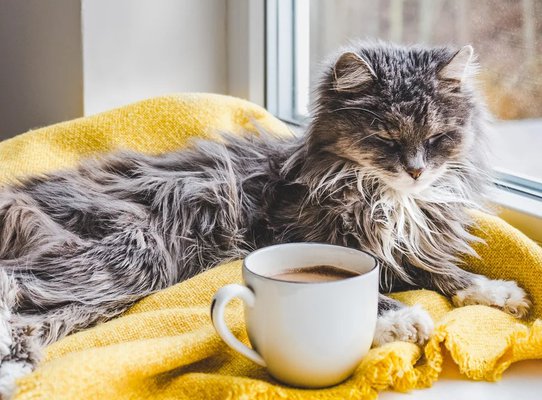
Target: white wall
pixel 41 74
pixel 134 49
pixel 64 58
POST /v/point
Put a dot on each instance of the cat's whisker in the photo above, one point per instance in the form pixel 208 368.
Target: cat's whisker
pixel 366 137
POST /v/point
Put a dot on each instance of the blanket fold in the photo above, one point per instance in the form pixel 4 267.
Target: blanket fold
pixel 165 347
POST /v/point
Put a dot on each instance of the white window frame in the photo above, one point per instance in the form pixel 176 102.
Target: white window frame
pixel 246 21
pixel 284 71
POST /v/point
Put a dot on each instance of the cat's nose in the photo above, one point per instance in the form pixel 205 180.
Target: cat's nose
pixel 415 172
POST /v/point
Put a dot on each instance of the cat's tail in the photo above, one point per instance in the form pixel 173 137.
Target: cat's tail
pixel 20 349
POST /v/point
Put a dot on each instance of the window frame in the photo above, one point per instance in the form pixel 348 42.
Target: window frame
pixel 246 43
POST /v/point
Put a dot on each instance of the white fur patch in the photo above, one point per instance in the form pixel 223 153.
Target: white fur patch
pixel 409 324
pixel 8 294
pixel 506 295
pixel 405 185
pixel 5 334
pixel 10 371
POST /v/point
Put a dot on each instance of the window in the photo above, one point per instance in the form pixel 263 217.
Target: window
pixel 507 36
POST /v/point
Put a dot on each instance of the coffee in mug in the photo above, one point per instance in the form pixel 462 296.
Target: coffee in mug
pixel 317 273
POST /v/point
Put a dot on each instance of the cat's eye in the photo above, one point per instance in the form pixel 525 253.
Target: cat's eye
pixel 387 141
pixel 436 138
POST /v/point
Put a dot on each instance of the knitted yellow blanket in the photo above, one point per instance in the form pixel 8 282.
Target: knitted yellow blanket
pixel 165 347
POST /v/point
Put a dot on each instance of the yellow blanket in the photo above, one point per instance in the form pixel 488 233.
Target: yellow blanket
pixel 164 347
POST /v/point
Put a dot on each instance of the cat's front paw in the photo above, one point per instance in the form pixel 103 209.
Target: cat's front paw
pixel 407 324
pixel 10 371
pixel 505 295
pixel 5 335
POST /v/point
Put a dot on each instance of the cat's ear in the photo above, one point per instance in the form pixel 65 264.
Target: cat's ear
pixel 459 67
pixel 351 72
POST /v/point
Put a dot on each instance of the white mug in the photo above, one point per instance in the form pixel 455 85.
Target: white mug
pixel 306 334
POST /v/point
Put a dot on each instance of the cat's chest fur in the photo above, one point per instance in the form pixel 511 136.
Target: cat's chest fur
pixel 388 218
pixel 396 228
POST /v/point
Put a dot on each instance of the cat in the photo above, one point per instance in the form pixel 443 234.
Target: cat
pixel 390 162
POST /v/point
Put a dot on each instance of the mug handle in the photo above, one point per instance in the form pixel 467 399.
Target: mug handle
pixel 220 300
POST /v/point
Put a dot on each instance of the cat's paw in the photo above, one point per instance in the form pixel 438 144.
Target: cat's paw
pixel 10 371
pixel 505 295
pixel 8 299
pixel 6 340
pixel 407 324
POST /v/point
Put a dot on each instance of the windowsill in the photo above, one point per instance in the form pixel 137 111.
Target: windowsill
pixel 522 212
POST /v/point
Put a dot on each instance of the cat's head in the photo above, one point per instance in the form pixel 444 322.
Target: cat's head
pixel 407 115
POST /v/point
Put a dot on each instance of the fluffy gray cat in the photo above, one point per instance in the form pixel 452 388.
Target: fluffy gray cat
pixel 390 162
